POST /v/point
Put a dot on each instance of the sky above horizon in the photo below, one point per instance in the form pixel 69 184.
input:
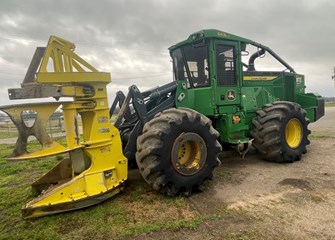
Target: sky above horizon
pixel 130 38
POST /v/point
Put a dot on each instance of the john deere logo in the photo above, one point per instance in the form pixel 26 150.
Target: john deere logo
pixel 231 95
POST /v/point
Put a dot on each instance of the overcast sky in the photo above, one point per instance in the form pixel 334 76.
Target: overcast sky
pixel 130 38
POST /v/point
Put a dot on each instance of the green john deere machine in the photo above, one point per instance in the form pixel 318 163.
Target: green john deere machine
pixel 172 133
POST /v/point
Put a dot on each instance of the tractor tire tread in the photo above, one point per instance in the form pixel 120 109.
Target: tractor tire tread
pixel 152 160
pixel 268 131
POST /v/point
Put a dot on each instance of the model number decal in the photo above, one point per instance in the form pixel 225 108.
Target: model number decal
pixel 104 130
pixel 102 119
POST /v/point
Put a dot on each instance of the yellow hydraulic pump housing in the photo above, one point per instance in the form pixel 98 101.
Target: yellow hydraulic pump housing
pixel 96 168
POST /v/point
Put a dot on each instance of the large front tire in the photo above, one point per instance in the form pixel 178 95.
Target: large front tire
pixel 177 151
pixel 280 132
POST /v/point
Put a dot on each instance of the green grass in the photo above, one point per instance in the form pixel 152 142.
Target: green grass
pixel 12 133
pixel 136 211
pixel 126 215
pixel 8 130
pixel 320 135
pixel 8 134
pixel 330 104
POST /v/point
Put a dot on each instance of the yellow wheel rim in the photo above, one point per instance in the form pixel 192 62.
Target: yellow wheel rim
pixel 189 154
pixel 293 133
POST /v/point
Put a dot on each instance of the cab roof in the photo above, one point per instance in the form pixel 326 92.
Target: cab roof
pixel 211 33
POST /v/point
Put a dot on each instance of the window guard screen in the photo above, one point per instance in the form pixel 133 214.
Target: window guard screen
pixel 226 69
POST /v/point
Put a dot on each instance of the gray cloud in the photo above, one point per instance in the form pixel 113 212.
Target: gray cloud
pixel 130 38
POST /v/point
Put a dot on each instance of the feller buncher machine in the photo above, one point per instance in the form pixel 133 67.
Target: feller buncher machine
pixel 173 133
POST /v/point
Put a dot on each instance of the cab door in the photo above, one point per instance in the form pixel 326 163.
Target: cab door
pixel 227 78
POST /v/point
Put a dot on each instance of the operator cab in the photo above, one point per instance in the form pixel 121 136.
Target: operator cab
pixel 212 67
pixel 190 58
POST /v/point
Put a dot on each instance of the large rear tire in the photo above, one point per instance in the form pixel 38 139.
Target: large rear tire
pixel 177 151
pixel 280 132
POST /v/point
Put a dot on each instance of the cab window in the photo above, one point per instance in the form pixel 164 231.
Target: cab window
pixel 191 63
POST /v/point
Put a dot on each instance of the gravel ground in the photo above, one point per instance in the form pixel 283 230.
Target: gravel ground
pixel 269 200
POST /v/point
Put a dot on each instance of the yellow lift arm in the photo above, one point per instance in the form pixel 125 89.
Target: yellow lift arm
pixel 96 168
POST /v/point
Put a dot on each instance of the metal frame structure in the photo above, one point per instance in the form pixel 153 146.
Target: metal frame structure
pixel 96 168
